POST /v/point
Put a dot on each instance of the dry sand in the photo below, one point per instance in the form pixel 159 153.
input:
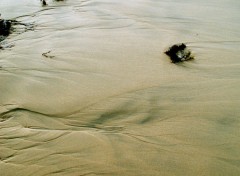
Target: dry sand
pixel 107 101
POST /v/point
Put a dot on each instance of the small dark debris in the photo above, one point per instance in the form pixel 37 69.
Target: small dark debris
pixel 44 3
pixel 179 53
pixel 46 55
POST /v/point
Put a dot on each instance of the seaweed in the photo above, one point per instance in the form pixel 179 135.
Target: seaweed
pixel 179 53
pixel 5 26
pixel 8 26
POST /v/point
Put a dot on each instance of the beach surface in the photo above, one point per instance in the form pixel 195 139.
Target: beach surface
pixel 87 90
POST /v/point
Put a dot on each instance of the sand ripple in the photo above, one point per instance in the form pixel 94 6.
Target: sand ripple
pixel 89 91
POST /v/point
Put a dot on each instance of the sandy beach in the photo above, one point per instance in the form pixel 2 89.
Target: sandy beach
pixel 86 89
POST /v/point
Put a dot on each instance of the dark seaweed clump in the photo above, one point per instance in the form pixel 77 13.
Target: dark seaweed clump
pixel 179 53
pixel 9 26
pixel 5 26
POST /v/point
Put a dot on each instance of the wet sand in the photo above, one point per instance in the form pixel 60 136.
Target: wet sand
pixel 106 100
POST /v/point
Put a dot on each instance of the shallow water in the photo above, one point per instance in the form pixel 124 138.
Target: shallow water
pixel 106 100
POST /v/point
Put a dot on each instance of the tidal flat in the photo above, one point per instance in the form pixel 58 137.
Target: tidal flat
pixel 86 88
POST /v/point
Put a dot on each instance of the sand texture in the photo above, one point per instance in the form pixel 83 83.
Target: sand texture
pixel 86 89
